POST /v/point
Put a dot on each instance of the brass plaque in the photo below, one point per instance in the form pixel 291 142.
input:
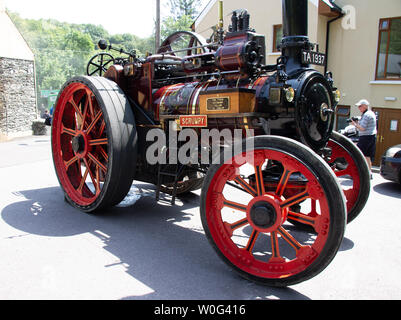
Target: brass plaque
pixel 218 104
pixel 275 95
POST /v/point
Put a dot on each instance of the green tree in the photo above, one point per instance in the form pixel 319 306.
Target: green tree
pixel 171 25
pixel 96 32
pixel 62 50
pixel 183 13
pixel 179 8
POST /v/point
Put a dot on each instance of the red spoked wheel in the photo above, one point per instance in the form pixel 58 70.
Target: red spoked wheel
pixel 351 168
pixel 248 226
pixel 93 143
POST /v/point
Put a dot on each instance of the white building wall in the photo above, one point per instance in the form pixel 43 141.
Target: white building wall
pixel 12 44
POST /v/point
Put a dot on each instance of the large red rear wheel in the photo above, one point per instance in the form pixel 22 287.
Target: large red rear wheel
pixel 93 143
pixel 247 223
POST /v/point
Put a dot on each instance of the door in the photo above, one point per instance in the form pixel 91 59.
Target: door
pixel 389 131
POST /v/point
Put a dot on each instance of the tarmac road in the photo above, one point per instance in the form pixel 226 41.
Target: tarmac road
pixel 153 251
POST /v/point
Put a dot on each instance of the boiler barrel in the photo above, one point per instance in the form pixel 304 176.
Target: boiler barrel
pixel 184 98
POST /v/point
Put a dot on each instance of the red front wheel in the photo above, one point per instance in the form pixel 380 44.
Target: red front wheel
pixel 245 216
pixel 93 143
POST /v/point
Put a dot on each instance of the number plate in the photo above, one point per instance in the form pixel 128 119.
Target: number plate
pixel 310 57
pixel 193 121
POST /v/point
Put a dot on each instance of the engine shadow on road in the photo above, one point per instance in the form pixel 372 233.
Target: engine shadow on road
pixel 163 246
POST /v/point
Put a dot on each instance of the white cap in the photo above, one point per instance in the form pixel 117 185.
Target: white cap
pixel 362 102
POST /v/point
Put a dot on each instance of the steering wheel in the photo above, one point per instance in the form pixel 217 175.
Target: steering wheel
pixel 99 64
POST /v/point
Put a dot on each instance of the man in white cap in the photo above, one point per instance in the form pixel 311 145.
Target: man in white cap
pixel 367 131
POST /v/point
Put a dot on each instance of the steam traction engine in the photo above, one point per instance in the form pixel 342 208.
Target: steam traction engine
pixel 276 211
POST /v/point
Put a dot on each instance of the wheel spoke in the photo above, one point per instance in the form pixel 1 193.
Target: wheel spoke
pixel 107 62
pixel 289 239
pixel 81 185
pixel 71 132
pixel 102 127
pixel 260 186
pixel 87 164
pixel 295 199
pixel 283 182
pixel 302 218
pixel 313 207
pixel 236 225
pixel 276 257
pixel 104 154
pixel 246 186
pixel 77 110
pixel 70 162
pixel 96 65
pixel 98 142
pixel 252 241
pixel 97 162
pixel 92 125
pixel 235 205
pixel 91 110
pixel 85 114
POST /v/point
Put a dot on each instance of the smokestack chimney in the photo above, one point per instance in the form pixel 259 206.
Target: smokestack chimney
pixel 295 33
pixel 295 18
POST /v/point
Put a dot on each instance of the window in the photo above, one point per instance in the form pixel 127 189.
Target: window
pixel 342 114
pixel 394 125
pixel 277 36
pixel 389 50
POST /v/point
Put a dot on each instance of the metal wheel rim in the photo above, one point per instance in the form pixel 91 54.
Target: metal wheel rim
pixel 275 266
pixel 82 170
pixel 352 193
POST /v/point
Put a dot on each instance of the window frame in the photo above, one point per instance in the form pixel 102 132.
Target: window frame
pixel 388 29
pixel 276 27
pixel 342 115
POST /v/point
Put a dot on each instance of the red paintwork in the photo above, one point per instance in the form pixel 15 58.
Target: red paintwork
pixel 70 165
pixel 305 251
pixel 351 193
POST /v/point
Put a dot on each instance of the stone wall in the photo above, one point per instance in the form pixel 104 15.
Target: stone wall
pixel 17 97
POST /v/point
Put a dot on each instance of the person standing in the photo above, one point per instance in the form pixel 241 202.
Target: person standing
pixel 367 131
pixel 47 117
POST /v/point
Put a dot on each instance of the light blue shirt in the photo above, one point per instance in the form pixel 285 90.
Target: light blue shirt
pixel 368 121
